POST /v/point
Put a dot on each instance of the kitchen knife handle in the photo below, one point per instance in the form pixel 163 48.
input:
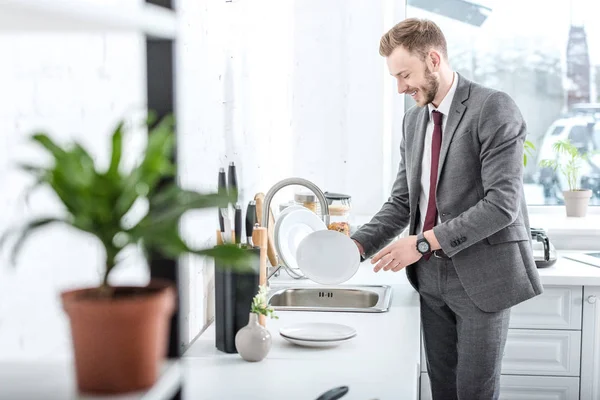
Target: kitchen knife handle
pixel 222 191
pixel 250 220
pixel 232 183
pixel 238 224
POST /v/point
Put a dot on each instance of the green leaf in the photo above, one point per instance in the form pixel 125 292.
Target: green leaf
pixel 528 147
pixel 117 150
pixel 30 228
pixel 568 162
pixel 49 145
pixel 32 169
pixel 96 201
pixel 549 163
pixel 230 256
pixel 174 202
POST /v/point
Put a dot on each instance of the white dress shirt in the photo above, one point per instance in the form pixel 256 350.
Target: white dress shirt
pixel 443 108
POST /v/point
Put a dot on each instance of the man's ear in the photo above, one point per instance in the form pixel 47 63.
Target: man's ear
pixel 434 59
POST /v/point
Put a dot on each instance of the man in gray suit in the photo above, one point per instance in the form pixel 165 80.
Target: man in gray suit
pixel 459 190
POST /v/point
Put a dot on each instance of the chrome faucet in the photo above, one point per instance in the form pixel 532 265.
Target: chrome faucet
pixel 267 207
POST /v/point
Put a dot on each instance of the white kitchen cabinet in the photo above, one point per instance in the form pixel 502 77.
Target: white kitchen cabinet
pixel 542 352
pixel 559 307
pixel 425 388
pixel 590 342
pixel 520 387
pixel 514 387
pixel 553 347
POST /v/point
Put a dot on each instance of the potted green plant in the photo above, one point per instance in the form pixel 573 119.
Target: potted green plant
pixel 568 161
pixel 120 333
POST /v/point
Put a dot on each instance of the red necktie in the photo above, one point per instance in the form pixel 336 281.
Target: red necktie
pixel 436 144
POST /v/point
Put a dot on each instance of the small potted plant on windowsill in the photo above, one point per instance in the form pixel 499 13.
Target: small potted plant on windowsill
pixel 120 333
pixel 568 162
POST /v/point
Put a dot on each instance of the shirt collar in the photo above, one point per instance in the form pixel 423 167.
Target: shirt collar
pixel 444 107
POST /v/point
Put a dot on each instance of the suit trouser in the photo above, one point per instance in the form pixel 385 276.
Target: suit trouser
pixel 463 344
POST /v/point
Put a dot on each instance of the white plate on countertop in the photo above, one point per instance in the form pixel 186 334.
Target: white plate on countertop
pixel 317 331
pixel 291 228
pixel 328 257
pixel 317 343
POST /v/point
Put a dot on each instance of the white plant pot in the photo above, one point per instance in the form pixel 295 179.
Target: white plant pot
pixel 576 202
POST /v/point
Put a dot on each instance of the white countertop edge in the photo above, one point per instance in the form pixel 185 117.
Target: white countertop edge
pixel 55 379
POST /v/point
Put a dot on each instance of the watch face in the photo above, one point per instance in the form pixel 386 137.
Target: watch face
pixel 423 247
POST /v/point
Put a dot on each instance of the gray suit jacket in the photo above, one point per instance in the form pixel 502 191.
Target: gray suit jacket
pixel 484 222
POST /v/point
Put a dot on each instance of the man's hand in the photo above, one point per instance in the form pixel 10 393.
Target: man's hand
pixel 397 255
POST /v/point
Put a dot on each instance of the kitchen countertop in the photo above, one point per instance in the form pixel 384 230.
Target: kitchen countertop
pixel 381 362
pixel 569 272
pixel 564 272
pixel 387 344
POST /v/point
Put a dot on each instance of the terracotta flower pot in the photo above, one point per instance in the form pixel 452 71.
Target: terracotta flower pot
pixel 119 341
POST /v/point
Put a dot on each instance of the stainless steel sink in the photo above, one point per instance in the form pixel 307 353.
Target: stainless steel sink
pixel 360 298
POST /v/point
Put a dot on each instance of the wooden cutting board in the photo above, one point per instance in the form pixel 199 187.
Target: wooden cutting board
pixel 260 199
pixel 259 238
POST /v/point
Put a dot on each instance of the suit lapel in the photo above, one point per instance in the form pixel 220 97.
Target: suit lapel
pixel 457 110
pixel 417 157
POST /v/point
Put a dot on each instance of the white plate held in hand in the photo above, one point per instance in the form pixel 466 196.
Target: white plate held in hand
pixel 328 257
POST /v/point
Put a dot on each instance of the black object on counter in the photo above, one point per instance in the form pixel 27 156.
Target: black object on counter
pixel 232 183
pixel 238 224
pixel 549 257
pixel 250 221
pixel 234 292
pixel 334 394
pixel 222 191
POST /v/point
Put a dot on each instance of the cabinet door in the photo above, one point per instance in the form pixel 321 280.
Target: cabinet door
pixel 590 344
pixel 559 307
pixel 539 352
pixel 521 387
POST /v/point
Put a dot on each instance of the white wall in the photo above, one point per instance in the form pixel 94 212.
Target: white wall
pixel 338 98
pixel 72 86
pixel 282 88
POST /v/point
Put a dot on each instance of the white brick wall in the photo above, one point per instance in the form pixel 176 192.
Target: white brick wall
pixel 282 88
pixel 73 87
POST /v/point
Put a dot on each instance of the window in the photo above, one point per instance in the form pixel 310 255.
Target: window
pixel 546 56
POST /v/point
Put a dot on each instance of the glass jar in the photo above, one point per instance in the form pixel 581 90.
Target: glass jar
pixel 307 199
pixel 339 212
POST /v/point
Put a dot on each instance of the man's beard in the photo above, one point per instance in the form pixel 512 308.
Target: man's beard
pixel 431 87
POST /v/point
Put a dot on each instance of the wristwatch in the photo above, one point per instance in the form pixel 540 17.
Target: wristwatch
pixel 423 245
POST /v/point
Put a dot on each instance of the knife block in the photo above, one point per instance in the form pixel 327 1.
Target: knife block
pixel 234 292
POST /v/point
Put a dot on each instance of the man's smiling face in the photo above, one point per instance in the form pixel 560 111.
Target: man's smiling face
pixel 413 75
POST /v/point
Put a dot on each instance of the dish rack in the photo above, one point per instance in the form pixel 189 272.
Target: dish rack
pixel 295 273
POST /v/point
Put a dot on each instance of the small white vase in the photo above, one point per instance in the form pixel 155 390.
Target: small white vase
pixel 253 342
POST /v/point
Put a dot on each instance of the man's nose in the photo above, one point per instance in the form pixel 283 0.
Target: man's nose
pixel 402 87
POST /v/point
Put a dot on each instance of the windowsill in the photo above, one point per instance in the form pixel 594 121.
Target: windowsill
pixel 554 220
pixel 566 233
